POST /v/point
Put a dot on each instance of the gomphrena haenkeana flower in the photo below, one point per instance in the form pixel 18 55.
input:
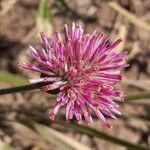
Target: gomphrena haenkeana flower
pixel 83 69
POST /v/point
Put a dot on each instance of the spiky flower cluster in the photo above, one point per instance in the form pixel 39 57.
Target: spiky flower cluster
pixel 84 69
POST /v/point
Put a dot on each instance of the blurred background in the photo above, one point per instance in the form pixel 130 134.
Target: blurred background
pixel 24 120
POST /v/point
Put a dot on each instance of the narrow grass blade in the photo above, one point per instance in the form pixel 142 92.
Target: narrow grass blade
pixel 44 17
pixel 137 96
pixel 43 10
pixel 95 133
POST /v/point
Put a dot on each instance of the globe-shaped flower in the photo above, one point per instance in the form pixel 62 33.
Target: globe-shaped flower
pixel 83 69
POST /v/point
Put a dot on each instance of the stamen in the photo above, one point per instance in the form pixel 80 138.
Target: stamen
pixel 52 116
pixel 92 95
pixel 91 78
pixel 81 81
pixel 96 68
pixel 71 94
pixel 122 77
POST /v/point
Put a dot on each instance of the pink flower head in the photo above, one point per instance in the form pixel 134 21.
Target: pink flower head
pixel 83 69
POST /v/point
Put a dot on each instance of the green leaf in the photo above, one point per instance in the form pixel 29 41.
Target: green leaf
pixel 5 146
pixel 95 133
pixel 12 79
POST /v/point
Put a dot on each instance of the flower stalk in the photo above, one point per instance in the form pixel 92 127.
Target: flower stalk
pixel 20 88
pixel 36 86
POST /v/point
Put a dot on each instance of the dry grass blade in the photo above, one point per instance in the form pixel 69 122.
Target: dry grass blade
pixel 5 146
pixel 131 17
pixel 135 49
pixel 58 138
pixel 122 33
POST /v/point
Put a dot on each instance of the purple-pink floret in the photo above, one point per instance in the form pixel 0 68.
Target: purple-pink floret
pixel 85 69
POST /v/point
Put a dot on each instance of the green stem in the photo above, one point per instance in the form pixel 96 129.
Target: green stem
pixel 138 96
pixel 21 88
pixel 144 95
pixel 95 133
pixel 18 89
